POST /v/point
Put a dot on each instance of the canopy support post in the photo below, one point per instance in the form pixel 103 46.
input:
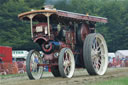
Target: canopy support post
pixel 48 26
pixel 31 17
pixel 31 27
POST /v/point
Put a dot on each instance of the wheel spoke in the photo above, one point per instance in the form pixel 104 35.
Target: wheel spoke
pixel 102 56
pixel 66 56
pixel 93 58
pixel 93 46
pixel 96 43
pixel 99 51
pixel 32 59
pixel 97 63
pixel 99 46
pixel 65 70
pixel 68 70
pixel 92 52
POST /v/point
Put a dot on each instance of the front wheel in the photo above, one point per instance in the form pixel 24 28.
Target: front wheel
pixel 66 63
pixel 33 60
pixel 95 54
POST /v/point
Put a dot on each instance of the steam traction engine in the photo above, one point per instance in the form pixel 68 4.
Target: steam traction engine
pixel 68 41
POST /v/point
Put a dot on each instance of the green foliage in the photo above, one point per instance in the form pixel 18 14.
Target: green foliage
pixel 16 33
pixel 37 4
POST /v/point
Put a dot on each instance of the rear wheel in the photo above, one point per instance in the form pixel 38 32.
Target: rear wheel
pixel 33 70
pixel 95 54
pixel 66 63
pixel 55 71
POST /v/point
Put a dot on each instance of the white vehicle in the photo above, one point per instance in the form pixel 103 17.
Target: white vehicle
pixel 19 55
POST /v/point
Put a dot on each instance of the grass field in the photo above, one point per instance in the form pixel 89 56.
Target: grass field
pixel 115 81
pixel 12 75
pixel 16 75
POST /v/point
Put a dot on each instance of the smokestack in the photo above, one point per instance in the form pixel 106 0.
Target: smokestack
pixel 48 7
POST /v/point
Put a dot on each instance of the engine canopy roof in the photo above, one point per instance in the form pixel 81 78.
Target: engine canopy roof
pixel 41 15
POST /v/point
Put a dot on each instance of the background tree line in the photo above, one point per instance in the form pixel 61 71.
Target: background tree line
pixel 16 33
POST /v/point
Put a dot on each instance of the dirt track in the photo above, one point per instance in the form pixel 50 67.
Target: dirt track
pixel 80 77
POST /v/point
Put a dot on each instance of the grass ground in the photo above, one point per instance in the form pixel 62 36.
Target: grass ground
pixel 16 75
pixel 12 75
pixel 115 81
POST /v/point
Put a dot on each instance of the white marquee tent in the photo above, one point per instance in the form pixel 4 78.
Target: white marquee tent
pixel 121 53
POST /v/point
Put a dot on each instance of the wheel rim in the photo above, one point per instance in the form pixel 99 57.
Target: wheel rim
pixel 68 64
pixel 36 70
pixel 99 55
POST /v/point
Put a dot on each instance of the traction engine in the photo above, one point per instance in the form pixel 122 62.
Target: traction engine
pixel 68 40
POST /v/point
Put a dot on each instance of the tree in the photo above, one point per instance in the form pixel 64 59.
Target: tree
pixel 14 32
